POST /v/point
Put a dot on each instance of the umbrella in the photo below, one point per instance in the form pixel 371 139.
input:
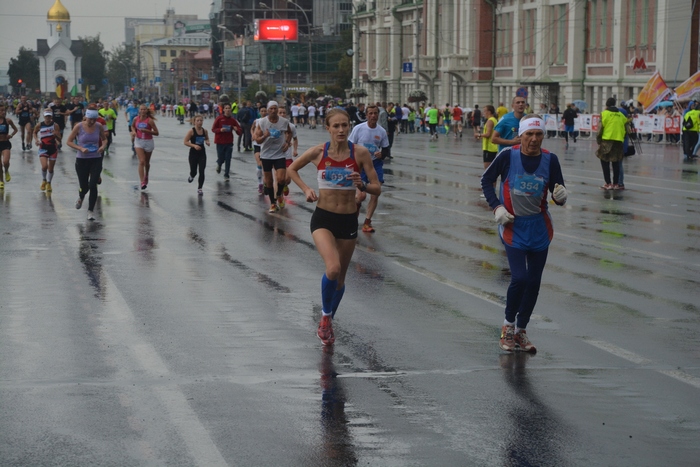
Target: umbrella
pixel 665 104
pixel 581 104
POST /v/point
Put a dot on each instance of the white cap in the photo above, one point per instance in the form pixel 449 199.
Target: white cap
pixel 48 113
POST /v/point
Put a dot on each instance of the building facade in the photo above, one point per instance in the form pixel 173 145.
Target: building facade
pixel 59 56
pixel 482 51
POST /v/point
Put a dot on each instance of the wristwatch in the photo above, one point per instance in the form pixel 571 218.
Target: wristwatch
pixel 362 187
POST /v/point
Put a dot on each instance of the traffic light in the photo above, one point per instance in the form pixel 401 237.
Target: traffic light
pixel 132 89
pixel 172 70
pixel 218 88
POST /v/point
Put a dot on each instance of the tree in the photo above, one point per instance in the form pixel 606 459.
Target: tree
pixel 121 67
pixel 343 77
pixel 25 67
pixel 94 63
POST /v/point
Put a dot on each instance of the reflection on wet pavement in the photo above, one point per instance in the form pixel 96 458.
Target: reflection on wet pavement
pixel 337 439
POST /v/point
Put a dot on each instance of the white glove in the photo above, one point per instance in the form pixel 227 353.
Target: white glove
pixel 559 194
pixel 502 215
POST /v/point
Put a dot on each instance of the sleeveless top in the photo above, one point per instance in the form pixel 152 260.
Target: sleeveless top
pixel 48 138
pixel 4 127
pixel 332 174
pixel 525 195
pixel 140 125
pixel 486 143
pixel 90 141
pixel 198 140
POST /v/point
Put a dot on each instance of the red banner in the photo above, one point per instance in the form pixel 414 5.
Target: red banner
pixel 672 125
pixel 276 30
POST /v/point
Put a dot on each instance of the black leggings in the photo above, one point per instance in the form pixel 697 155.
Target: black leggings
pixel 88 171
pixel 198 161
pixel 606 171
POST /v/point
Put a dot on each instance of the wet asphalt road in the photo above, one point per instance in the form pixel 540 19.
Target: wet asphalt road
pixel 180 330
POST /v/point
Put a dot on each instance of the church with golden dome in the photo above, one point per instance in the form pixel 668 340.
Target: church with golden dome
pixel 59 56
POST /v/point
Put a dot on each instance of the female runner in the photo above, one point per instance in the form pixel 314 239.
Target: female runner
pixel 144 129
pixel 334 222
pixel 91 144
pixel 47 137
pixel 5 144
pixel 195 140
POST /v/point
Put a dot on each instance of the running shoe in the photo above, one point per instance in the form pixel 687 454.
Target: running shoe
pixel 285 191
pixel 90 216
pixel 200 192
pixel 7 176
pixel 260 188
pixel 280 201
pixel 367 227
pixel 226 178
pixel 618 187
pixel 43 185
pixel 106 152
pixel 189 179
pixel 24 147
pixel 29 146
pixel 273 208
pixel 607 186
pixel 145 180
pixel 218 168
pixel 507 341
pixel 523 342
pixel 78 203
pixel 325 331
pixel 48 187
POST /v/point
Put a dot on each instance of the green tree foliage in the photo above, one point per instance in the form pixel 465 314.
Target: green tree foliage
pixel 343 77
pixel 94 63
pixel 254 87
pixel 25 67
pixel 121 67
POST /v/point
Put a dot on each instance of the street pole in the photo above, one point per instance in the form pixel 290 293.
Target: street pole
pixel 308 25
pixel 417 53
pixel 284 68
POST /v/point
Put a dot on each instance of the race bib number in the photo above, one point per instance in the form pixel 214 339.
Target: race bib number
pixel 199 140
pixel 275 133
pixel 3 128
pixel 528 185
pixel 91 147
pixel 226 128
pixel 372 148
pixel 142 126
pixel 338 176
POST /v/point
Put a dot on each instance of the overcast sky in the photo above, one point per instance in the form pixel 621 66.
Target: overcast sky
pixel 22 22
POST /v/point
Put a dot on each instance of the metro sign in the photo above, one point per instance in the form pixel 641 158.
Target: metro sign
pixel 638 65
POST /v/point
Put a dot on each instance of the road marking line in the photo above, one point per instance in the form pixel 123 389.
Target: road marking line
pixel 619 352
pixel 684 377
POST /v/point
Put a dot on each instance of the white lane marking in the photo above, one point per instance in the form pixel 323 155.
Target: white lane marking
pixel 620 352
pixel 118 320
pixel 684 377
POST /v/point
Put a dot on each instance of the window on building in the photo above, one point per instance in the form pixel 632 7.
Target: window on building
pixel 593 21
pixel 644 39
pixel 345 6
pixel 59 65
pixel 163 53
pixel 632 24
pixel 163 65
pixel 173 53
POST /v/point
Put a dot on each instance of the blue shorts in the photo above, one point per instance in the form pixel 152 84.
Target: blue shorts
pixel 378 167
pixel 569 128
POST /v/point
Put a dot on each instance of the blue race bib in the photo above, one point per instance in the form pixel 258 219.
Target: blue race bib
pixel 199 140
pixel 338 176
pixel 91 147
pixel 275 133
pixel 528 185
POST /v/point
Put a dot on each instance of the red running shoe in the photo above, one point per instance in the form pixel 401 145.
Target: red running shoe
pixel 521 340
pixel 325 331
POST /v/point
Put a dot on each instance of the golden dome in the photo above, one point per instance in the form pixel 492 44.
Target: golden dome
pixel 58 12
pixel 59 28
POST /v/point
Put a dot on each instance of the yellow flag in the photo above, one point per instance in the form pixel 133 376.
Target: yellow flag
pixel 87 94
pixel 59 91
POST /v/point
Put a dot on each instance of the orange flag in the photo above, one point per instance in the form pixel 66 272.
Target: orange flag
pixel 687 88
pixel 653 92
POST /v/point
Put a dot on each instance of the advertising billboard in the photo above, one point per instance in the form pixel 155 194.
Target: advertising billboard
pixel 276 30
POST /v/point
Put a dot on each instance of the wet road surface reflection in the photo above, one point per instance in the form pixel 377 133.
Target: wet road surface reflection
pixel 338 447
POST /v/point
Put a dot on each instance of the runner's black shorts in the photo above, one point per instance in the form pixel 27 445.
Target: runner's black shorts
pixel 489 156
pixel 342 226
pixel 269 164
pixel 5 145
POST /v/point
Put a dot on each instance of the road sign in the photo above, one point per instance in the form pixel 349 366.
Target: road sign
pixel 80 81
pixel 408 67
pixel 521 92
pixel 133 80
pixel 157 79
pixel 205 76
pixel 278 89
pixel 105 81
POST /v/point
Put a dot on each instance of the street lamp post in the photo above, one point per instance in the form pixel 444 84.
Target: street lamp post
pixel 308 24
pixel 240 68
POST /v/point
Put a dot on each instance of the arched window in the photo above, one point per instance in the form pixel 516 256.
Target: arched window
pixel 59 65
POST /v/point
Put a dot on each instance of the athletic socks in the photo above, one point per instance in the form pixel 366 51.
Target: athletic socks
pixel 43 174
pixel 337 297
pixel 49 176
pixel 327 294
